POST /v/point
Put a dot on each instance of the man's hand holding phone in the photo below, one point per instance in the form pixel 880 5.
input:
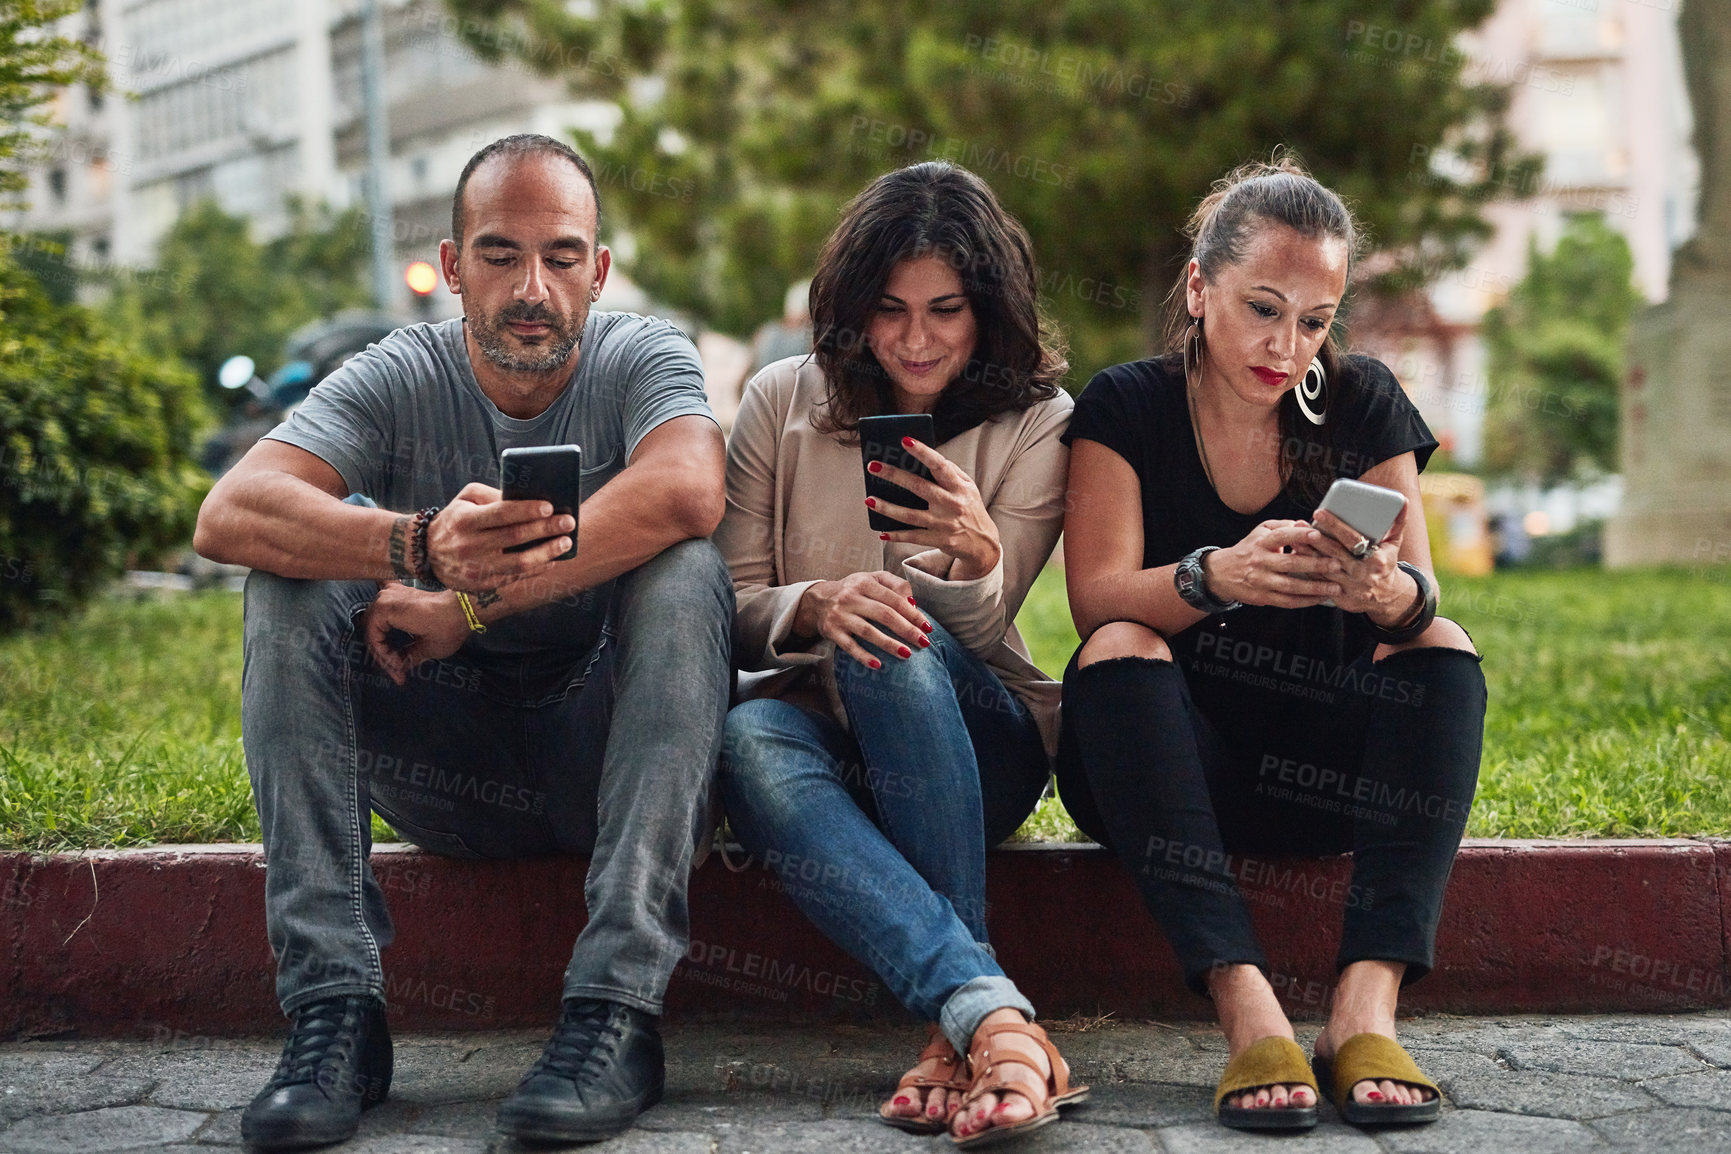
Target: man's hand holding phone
pixel 466 543
pixel 467 540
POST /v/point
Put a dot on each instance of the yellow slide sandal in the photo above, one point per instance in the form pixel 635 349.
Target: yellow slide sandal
pixel 1273 1061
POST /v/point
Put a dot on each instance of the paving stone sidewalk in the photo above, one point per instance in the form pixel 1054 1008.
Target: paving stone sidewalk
pixel 1526 1085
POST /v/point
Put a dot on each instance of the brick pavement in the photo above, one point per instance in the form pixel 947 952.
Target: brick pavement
pixel 1518 1085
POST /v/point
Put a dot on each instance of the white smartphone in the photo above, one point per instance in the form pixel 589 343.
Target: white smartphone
pixel 1370 509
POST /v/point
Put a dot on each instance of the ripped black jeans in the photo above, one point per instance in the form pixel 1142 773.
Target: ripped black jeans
pixel 1182 769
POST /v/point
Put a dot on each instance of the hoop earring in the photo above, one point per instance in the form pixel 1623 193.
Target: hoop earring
pixel 1193 350
pixel 1312 393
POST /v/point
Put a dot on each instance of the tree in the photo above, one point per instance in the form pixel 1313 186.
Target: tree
pixel 33 61
pixel 215 292
pixel 1555 352
pixel 747 123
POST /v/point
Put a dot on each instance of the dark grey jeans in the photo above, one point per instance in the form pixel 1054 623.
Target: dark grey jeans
pixel 610 752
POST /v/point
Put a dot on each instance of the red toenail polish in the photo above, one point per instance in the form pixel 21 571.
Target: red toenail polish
pixel 902 1101
pixel 1375 1095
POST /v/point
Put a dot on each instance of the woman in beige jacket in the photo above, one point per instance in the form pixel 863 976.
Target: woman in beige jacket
pixel 896 727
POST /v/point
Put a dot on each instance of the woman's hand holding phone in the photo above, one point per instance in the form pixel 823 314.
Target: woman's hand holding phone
pixel 1274 565
pixel 1375 585
pixel 956 520
pixel 876 608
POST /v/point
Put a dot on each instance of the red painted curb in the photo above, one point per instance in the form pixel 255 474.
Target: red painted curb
pixel 171 940
pixel 1722 877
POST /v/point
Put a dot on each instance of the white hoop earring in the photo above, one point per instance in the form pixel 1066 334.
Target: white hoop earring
pixel 1312 393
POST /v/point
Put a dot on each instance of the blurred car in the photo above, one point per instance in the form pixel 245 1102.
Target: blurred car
pixel 313 352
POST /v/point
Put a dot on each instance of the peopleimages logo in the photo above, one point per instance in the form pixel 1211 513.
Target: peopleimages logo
pixel 731 968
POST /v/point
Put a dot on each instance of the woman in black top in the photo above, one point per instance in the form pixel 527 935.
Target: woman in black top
pixel 1239 652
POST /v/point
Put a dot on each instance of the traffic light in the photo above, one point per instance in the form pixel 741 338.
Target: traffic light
pixel 421 277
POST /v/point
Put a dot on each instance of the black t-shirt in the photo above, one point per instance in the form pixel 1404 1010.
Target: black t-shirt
pixel 1141 412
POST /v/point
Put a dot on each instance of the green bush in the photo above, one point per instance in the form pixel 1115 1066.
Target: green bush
pixel 96 453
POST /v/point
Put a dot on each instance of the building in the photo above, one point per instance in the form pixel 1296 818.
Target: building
pixel 1598 92
pixel 248 102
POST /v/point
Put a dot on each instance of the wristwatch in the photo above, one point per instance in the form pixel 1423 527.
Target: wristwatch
pixel 1192 584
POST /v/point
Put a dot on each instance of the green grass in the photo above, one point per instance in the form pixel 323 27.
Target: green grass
pixel 1610 712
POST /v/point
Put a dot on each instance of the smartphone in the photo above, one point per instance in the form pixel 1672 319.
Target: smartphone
pixel 880 439
pixel 1369 509
pixel 546 473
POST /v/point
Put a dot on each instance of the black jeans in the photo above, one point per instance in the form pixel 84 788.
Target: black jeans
pixel 1181 774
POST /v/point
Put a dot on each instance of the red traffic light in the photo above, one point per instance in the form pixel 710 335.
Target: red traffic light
pixel 421 277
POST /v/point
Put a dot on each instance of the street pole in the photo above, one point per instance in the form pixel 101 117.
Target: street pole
pixel 378 154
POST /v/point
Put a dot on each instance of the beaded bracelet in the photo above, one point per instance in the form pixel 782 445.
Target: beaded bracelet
pixel 419 559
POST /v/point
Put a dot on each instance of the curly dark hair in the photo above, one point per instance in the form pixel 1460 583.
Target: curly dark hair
pixel 1247 199
pixel 925 210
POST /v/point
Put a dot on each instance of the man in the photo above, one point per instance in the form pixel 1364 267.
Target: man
pixel 533 706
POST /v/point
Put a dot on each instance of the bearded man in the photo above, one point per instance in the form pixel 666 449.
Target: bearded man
pixel 484 703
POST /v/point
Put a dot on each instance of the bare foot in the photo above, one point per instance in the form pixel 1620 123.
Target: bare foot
pixel 1249 1012
pixel 1005 1107
pixel 935 1104
pixel 1365 1004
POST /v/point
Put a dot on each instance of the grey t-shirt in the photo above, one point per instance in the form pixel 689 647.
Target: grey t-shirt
pixel 406 424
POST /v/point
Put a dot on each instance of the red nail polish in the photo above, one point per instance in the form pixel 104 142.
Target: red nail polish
pixel 1375 1095
pixel 875 467
pixel 904 651
pixel 883 536
pixel 876 664
pixel 926 625
pixel 903 1100
pixel 871 502
pixel 907 442
pixel 910 600
pixel 924 644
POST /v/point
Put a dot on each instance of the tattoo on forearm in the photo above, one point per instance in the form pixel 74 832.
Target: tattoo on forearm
pixel 400 547
pixel 487 597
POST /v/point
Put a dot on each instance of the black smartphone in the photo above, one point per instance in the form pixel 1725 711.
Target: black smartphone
pixel 546 473
pixel 880 439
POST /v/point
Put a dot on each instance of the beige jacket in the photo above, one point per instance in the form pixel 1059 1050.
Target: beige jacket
pixel 796 515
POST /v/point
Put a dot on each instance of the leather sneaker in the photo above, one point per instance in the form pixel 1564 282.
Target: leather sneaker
pixel 336 1063
pixel 602 1068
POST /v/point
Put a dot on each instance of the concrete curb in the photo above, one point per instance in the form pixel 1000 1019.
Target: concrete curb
pixel 170 941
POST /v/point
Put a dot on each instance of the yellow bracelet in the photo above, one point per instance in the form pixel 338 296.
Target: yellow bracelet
pixel 475 625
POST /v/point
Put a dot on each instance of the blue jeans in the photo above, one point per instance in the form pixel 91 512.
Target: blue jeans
pixel 484 756
pixel 946 760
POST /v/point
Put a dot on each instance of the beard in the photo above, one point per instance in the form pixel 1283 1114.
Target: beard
pixel 496 341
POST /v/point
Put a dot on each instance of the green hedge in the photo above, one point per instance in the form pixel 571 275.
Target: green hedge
pixel 97 462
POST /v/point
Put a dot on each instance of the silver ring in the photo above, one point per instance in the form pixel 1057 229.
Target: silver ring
pixel 1362 549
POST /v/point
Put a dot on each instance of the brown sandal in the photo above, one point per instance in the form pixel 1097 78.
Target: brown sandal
pixel 937 1046
pixel 1004 1059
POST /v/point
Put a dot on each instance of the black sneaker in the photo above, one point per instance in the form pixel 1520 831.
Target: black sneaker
pixel 603 1067
pixel 336 1063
